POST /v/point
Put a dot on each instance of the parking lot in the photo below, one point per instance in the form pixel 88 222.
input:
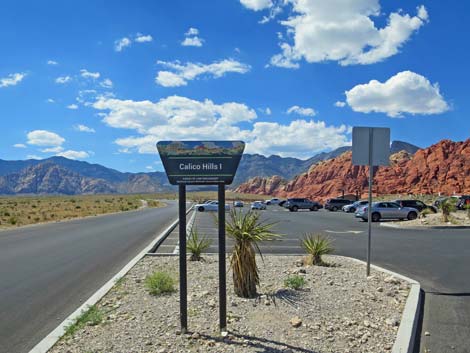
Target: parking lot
pixel 439 259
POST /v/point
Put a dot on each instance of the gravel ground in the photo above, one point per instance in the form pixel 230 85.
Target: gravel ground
pixel 338 310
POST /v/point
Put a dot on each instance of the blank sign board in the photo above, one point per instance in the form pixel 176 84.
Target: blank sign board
pixel 375 138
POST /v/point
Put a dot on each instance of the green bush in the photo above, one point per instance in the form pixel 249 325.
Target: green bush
pixel 316 245
pixel 92 317
pixel 13 220
pixel 295 282
pixel 160 283
pixel 425 212
pixel 197 245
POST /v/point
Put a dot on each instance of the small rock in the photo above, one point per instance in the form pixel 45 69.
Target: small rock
pixel 380 289
pixel 392 280
pixel 195 336
pixel 224 333
pixel 393 321
pixel 427 333
pixel 295 322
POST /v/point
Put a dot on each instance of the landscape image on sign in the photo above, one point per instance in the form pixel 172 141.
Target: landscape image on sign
pixel 200 148
pixel 200 162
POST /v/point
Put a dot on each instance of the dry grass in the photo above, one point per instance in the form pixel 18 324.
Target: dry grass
pixel 22 210
pixel 198 196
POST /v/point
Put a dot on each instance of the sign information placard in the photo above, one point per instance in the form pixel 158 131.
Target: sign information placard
pixel 200 162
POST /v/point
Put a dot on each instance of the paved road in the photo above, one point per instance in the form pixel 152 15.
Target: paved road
pixel 47 271
pixel 439 259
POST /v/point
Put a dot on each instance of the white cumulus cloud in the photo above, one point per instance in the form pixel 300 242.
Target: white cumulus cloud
pixel 87 74
pixel 192 39
pixel 71 154
pixel 257 5
pixel 83 128
pixel 72 107
pixel 122 43
pixel 340 104
pixel 141 38
pixel 44 138
pixel 106 83
pixel 180 73
pixel 12 79
pixel 343 31
pixel 406 92
pixel 177 117
pixel 52 62
pixel 19 145
pixel 63 79
pixel 295 109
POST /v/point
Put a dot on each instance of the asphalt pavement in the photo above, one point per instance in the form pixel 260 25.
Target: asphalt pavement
pixel 438 259
pixel 47 271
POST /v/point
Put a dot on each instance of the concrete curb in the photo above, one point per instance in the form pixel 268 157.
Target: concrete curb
pixel 387 225
pixel 407 331
pixel 189 227
pixel 51 339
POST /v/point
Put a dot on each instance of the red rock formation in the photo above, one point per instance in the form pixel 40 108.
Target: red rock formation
pixel 442 168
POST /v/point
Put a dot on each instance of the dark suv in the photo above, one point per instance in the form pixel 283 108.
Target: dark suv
pixel 417 204
pixel 336 204
pixel 294 205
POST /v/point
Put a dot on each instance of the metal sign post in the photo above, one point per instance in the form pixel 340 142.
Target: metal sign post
pixel 201 163
pixel 222 280
pixel 182 259
pixel 371 146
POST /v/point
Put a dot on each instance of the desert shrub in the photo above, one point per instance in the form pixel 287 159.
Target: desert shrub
pixel 13 220
pixel 447 207
pixel 196 245
pixel 294 282
pixel 247 231
pixel 160 283
pixel 425 212
pixel 316 245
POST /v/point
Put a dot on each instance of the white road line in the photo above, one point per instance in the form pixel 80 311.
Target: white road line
pixel 344 232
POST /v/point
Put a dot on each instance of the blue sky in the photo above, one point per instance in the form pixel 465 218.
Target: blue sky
pixel 103 81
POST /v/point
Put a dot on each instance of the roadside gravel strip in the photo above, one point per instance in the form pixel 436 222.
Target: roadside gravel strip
pixel 46 344
pixel 338 310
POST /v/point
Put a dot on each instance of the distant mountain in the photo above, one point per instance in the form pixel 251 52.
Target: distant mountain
pixel 255 165
pixel 440 168
pixel 59 175
pixel 398 146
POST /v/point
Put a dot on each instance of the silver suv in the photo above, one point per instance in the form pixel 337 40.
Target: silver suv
pixel 296 204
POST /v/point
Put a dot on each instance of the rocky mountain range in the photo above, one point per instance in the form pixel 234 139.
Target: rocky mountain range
pixel 440 168
pixel 59 175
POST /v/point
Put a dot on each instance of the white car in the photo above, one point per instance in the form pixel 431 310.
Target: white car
pixel 258 205
pixel 210 206
pixel 274 201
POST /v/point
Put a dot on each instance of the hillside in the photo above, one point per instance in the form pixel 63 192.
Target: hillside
pixel 443 167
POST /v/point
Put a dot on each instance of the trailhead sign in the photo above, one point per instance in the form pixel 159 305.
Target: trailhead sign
pixel 200 162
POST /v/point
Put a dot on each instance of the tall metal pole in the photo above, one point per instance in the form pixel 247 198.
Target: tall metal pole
pixel 369 207
pixel 182 246
pixel 222 279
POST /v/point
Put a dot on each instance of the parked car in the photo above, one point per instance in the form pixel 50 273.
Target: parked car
pixel 238 203
pixel 463 202
pixel 210 206
pixel 274 201
pixel 387 210
pixel 419 205
pixel 353 207
pixel 336 204
pixel 258 205
pixel 296 204
pixel 442 199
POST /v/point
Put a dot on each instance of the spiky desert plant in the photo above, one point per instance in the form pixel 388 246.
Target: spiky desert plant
pixel 247 231
pixel 196 245
pixel 316 245
pixel 447 206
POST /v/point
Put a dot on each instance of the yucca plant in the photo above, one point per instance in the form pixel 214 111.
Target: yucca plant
pixel 247 231
pixel 196 245
pixel 447 207
pixel 316 245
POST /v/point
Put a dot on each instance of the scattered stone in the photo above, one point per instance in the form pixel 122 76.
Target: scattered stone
pixel 295 322
pixel 427 333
